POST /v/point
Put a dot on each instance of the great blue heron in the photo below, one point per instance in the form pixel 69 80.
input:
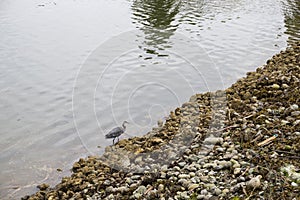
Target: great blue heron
pixel 116 132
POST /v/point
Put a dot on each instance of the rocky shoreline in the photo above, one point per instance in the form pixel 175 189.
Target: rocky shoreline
pixel 241 143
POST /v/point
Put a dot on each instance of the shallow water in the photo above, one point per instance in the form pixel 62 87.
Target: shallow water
pixel 72 70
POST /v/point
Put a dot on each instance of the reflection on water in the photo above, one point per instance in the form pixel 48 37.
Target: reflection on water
pixel 292 19
pixel 156 19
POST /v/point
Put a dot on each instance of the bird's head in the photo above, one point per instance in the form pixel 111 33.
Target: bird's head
pixel 125 122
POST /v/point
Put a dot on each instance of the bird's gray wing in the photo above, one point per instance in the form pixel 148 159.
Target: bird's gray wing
pixel 114 132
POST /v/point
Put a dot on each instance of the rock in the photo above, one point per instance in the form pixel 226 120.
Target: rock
pixel 109 189
pixel 43 186
pixel 295 113
pixel 195 179
pixel 183 182
pixel 295 123
pixel 254 182
pixel 235 164
pixel 184 195
pixel 213 140
pixel 184 176
pixel 204 192
pixel 181 164
pixel 220 149
pixel 193 186
pixel 225 191
pixel 161 188
pixel 223 165
pixel 275 86
pixel 200 196
pixel 106 182
pixel 122 189
pixel 140 190
pixel 294 107
pixel 225 144
pixel 111 196
pixel 294 184
pixel 237 171
pixel 163 175
pixel 285 86
pixel 217 191
pixel 209 165
pixel 135 177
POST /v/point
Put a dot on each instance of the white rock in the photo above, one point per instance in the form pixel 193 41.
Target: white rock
pixel 294 184
pixel 213 140
pixel 237 171
pixel 294 107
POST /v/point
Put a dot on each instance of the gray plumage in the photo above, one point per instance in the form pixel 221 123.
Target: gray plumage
pixel 116 132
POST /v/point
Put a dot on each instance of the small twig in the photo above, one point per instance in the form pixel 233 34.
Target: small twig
pixel 148 190
pixel 244 190
pixel 228 127
pixel 295 157
pixel 267 141
pixel 245 171
pixel 279 151
pixel 249 116
pixel 257 138
pixel 251 194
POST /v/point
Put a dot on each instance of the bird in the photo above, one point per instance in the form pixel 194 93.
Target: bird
pixel 116 132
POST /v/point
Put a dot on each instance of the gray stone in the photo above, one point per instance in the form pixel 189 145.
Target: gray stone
pixel 213 140
pixel 294 107
pixel 217 191
pixel 237 171
pixel 254 182
pixel 295 113
pixel 204 192
pixel 141 189
pixel 181 164
pixel 183 176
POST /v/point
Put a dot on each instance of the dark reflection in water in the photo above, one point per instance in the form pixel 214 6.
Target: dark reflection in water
pixel 292 20
pixel 156 19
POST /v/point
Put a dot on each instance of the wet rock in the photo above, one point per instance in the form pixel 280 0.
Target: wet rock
pixel 43 186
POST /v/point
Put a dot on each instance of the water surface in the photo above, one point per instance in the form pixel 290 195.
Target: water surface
pixel 72 70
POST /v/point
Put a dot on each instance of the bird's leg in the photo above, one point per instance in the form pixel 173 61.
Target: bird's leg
pixel 114 141
pixel 118 139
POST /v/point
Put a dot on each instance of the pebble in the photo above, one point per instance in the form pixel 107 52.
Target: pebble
pixel 217 191
pixel 254 182
pixel 294 184
pixel 225 191
pixel 161 188
pixel 213 140
pixel 295 123
pixel 193 186
pixel 209 165
pixel 181 164
pixel 140 190
pixel 275 86
pixel 237 171
pixel 294 107
pixel 106 182
pixel 295 113
pixel 204 192
pixel 184 176
pixel 135 177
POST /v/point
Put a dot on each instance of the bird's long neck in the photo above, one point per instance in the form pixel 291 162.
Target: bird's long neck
pixel 123 125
